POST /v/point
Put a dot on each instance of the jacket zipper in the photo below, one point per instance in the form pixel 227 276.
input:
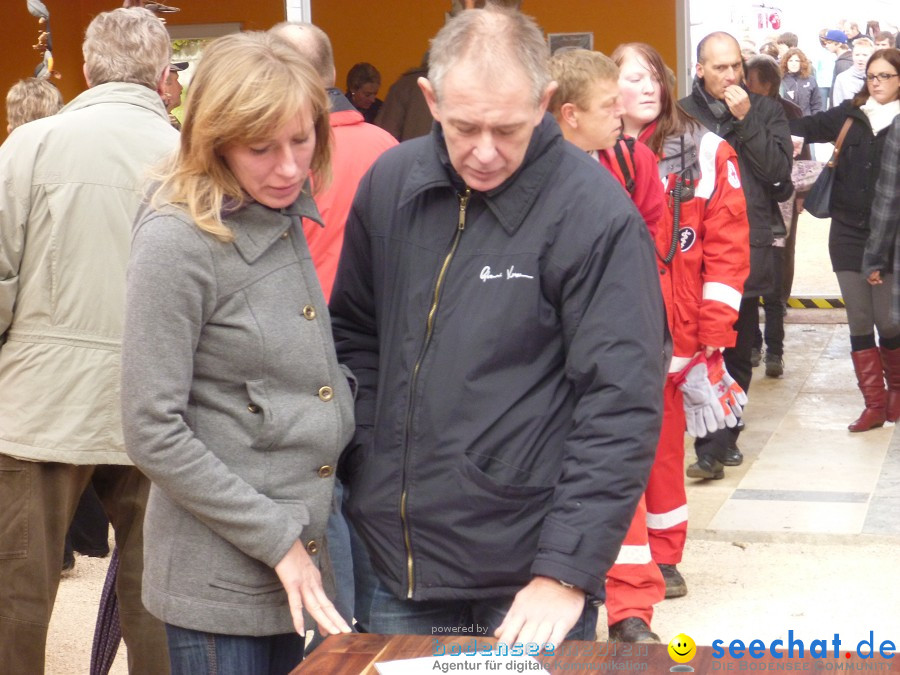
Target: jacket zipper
pixel 429 329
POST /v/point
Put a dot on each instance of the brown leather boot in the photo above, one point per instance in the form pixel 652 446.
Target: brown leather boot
pixel 890 359
pixel 870 378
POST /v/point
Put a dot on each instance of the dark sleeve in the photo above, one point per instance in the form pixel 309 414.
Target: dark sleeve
pixel 617 371
pixel 815 98
pixel 766 141
pixel 822 127
pixel 353 320
pixel 884 218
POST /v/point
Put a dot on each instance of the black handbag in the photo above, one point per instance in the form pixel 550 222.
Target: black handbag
pixel 818 200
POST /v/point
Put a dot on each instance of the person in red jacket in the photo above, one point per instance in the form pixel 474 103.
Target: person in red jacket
pixel 589 110
pixel 703 259
pixel 357 144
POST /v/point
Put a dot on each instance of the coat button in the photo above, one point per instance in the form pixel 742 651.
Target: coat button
pixel 326 471
pixel 285 234
pixel 662 270
pixel 252 407
pixel 326 393
pixel 309 312
pixel 312 547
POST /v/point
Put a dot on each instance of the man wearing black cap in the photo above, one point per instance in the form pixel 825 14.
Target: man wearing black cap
pixel 172 89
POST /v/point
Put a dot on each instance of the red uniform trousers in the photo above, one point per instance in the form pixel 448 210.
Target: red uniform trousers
pixel 634 583
pixel 667 511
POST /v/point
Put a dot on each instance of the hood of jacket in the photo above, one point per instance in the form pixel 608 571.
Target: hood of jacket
pixel 510 201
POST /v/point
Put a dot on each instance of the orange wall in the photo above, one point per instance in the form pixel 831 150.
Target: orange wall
pixel 69 18
pixel 395 37
pixel 392 35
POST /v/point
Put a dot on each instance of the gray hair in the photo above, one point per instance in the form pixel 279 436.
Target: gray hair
pixel 126 45
pixel 496 40
pixel 313 43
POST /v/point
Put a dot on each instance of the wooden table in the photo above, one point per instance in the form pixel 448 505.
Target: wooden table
pixel 356 654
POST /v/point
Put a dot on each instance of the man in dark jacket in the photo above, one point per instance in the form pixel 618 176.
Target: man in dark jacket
pixel 497 300
pixel 757 129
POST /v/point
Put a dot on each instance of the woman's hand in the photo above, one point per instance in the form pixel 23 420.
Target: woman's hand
pixel 303 584
pixel 875 278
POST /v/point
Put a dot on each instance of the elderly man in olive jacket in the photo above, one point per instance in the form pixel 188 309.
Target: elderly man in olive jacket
pixel 72 184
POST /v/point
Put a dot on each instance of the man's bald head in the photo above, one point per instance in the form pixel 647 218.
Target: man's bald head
pixel 313 43
pixel 715 38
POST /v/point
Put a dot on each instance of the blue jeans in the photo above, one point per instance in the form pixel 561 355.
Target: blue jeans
pixel 390 615
pixel 193 652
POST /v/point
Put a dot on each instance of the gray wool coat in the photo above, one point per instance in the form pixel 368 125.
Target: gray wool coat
pixel 235 407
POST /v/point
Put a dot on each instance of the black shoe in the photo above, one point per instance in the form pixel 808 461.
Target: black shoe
pixel 732 456
pixel 68 563
pixel 774 365
pixel 755 357
pixel 675 584
pixel 706 467
pixel 632 629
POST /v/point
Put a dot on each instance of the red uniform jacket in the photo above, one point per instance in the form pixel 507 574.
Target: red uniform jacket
pixel 703 282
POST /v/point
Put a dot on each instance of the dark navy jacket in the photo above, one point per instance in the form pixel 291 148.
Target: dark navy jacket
pixel 510 369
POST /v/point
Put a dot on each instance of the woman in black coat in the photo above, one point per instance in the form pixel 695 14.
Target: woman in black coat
pixel 798 84
pixel 870 114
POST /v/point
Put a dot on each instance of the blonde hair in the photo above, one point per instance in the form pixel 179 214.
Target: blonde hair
pixel 31 99
pixel 575 70
pixel 126 45
pixel 246 87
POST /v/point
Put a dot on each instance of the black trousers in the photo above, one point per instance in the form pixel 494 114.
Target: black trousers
pixel 89 532
pixel 737 361
pixel 774 308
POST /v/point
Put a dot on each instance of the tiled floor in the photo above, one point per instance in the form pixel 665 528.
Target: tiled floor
pixel 804 475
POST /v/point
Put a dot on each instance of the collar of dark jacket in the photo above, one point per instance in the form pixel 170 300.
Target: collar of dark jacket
pixel 256 227
pixel 511 201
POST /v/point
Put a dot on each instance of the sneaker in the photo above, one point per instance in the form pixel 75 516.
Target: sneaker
pixel 634 630
pixel 675 584
pixel 708 468
pixel 774 365
pixel 755 357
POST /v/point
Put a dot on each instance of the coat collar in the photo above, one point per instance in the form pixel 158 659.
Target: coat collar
pixel 256 227
pixel 511 201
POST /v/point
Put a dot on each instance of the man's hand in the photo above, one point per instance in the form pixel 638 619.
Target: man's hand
pixel 875 278
pixel 738 101
pixel 303 584
pixel 542 613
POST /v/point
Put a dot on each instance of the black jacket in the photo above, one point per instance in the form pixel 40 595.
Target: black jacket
pixel 859 162
pixel 510 369
pixel 854 177
pixel 763 145
pixel 804 92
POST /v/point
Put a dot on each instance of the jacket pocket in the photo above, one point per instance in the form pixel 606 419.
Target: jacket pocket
pixel 14 489
pixel 260 407
pixel 240 573
pixel 471 473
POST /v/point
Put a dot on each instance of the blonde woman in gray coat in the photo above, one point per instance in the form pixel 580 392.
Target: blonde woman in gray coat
pixel 233 400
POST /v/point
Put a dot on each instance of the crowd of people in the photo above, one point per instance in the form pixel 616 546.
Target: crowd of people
pixel 320 375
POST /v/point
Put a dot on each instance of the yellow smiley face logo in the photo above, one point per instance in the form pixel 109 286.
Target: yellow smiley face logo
pixel 682 648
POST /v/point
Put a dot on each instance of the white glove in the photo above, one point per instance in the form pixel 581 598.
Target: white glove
pixel 732 398
pixel 702 410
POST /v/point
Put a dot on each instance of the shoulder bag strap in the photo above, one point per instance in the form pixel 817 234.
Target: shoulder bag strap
pixel 840 141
